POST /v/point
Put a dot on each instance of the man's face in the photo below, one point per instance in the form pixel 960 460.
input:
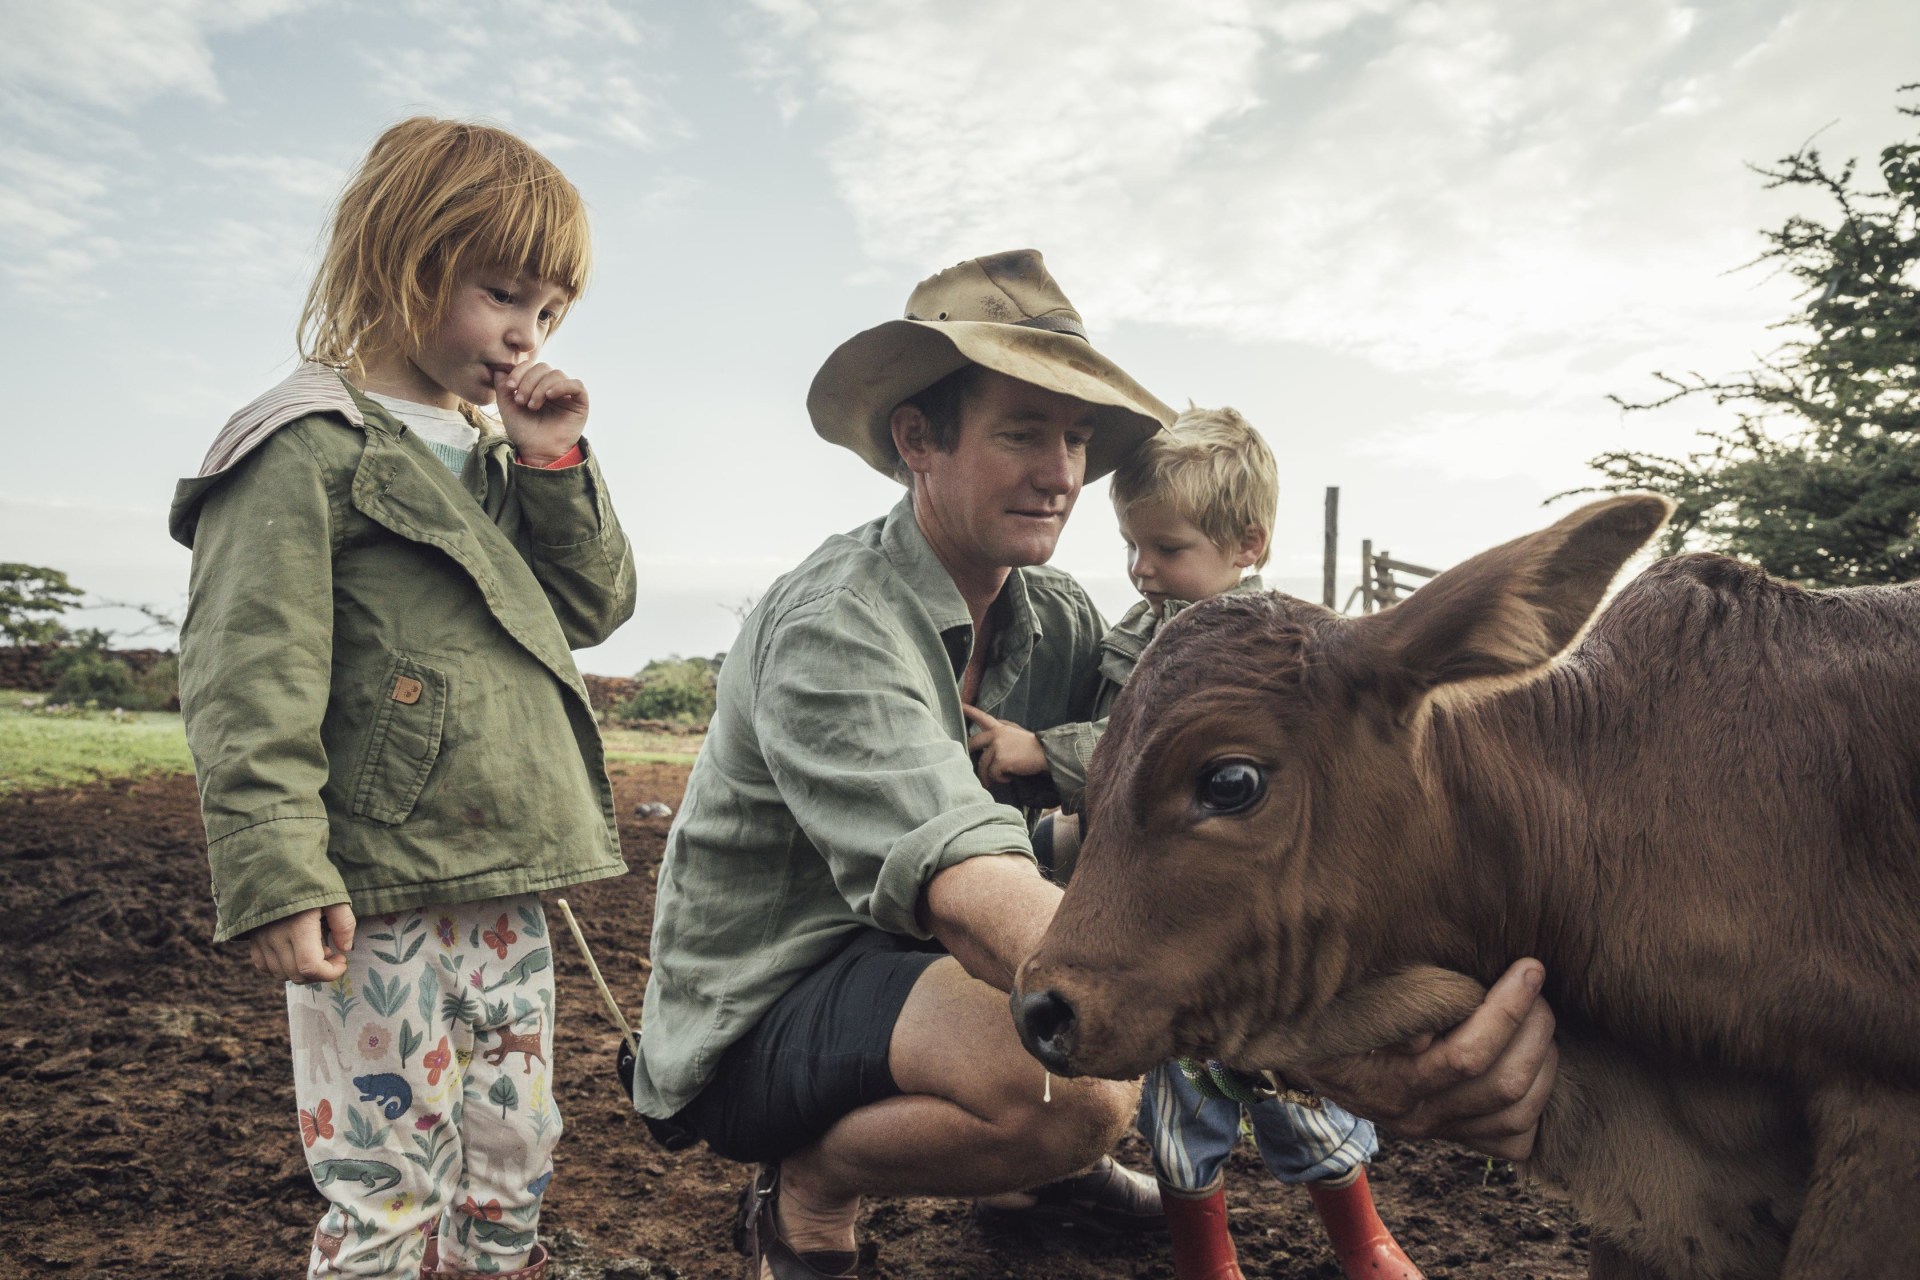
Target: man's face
pixel 1001 498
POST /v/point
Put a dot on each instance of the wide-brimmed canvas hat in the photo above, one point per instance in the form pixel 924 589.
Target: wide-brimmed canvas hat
pixel 1003 312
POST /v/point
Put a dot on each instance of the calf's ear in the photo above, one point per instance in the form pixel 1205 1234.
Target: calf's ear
pixel 1509 611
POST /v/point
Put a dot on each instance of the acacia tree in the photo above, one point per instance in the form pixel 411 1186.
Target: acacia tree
pixel 31 602
pixel 1820 480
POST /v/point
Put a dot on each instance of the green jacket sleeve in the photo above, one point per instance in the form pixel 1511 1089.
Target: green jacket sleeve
pixel 846 714
pixel 572 539
pixel 1069 746
pixel 255 662
pixel 1069 750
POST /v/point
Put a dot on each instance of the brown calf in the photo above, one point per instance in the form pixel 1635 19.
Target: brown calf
pixel 1310 834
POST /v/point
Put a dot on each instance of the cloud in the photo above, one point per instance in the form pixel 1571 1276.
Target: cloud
pixel 52 210
pixel 65 271
pixel 974 123
pixel 85 160
pixel 234 260
pixel 515 22
pixel 1418 181
pixel 561 72
pixel 308 179
pixel 45 198
pixel 119 53
pixel 1525 207
pixel 71 79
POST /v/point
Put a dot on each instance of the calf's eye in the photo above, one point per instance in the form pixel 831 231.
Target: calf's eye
pixel 1232 787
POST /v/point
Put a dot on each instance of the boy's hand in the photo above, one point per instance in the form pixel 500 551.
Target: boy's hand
pixel 1005 749
pixel 292 949
pixel 543 410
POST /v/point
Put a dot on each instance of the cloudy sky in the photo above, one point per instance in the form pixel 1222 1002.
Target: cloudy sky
pixel 1416 243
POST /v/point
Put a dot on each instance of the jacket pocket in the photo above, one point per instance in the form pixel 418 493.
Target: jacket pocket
pixel 402 742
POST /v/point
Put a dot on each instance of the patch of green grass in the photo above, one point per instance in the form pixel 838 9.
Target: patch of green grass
pixel 39 749
pixel 639 746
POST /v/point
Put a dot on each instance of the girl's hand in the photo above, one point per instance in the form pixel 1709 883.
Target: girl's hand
pixel 543 409
pixel 292 949
pixel 1005 749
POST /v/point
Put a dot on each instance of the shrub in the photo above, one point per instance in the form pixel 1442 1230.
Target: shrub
pixel 158 687
pixel 83 671
pixel 673 689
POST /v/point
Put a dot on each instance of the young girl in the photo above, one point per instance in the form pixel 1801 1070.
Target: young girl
pixel 395 752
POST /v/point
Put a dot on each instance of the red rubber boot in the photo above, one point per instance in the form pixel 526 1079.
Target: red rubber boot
pixel 1366 1249
pixel 1197 1228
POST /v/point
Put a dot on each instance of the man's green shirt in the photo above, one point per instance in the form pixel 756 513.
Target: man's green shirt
pixel 835 781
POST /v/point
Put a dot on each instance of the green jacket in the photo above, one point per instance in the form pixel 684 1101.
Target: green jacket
pixel 375 674
pixel 1069 747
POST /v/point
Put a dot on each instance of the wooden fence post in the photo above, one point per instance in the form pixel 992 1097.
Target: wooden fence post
pixel 1332 546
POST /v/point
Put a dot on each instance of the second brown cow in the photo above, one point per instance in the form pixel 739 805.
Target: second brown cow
pixel 1309 835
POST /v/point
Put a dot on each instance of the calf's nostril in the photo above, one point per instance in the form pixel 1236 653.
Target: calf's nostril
pixel 1046 1020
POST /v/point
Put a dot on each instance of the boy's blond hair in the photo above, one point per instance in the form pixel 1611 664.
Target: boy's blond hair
pixel 434 200
pixel 1212 469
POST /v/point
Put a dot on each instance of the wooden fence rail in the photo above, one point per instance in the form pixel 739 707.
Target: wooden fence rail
pixel 1383 579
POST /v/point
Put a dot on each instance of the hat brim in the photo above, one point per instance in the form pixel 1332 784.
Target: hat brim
pixel 853 396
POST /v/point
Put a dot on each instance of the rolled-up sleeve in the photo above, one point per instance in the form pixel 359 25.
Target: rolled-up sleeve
pixel 852 724
pixel 576 548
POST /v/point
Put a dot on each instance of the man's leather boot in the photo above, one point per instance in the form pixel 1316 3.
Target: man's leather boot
pixel 1108 1198
pixel 1197 1228
pixel 1366 1249
pixel 756 1233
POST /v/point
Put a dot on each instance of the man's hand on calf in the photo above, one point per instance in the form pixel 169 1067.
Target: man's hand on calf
pixel 1483 1084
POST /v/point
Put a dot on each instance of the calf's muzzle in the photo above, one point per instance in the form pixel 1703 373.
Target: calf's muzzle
pixel 1046 1023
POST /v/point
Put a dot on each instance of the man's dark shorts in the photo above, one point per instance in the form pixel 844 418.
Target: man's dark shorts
pixel 819 1053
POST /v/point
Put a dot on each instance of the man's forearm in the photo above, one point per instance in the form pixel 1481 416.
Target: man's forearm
pixel 989 912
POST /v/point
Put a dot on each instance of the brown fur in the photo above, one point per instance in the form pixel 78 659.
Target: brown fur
pixel 1705 819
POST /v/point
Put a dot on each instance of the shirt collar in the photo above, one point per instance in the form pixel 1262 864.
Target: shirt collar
pixel 905 545
pixel 1141 622
pixel 902 542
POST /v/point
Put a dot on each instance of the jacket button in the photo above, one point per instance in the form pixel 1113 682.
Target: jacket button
pixel 406 690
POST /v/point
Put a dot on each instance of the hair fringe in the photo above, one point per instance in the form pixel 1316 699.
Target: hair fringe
pixel 433 200
pixel 1212 469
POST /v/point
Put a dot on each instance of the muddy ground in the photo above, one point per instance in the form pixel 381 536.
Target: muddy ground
pixel 147 1123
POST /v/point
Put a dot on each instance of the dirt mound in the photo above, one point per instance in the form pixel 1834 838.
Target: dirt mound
pixel 150 1122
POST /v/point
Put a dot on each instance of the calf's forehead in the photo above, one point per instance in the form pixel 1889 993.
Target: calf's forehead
pixel 1241 656
pixel 1242 640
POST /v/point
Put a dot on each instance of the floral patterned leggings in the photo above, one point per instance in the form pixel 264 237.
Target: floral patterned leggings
pixel 424 1088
